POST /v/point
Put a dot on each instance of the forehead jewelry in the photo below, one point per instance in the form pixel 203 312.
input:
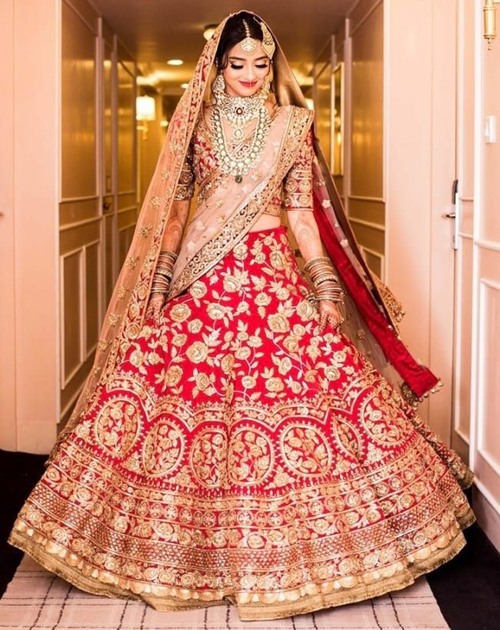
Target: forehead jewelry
pixel 248 45
pixel 268 45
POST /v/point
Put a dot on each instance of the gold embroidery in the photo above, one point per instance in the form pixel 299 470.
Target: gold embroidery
pixel 207 460
pixel 298 181
pixel 122 292
pixel 113 319
pixel 185 185
pixel 155 202
pixel 393 305
pixel 132 261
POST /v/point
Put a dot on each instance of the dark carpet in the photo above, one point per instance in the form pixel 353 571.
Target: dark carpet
pixel 467 588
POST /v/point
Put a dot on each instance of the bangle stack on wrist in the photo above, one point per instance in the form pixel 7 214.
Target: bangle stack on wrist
pixel 324 279
pixel 163 272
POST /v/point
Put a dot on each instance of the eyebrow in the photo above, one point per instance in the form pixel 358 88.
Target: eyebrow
pixel 246 58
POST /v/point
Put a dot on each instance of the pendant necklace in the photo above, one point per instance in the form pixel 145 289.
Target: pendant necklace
pixel 239 111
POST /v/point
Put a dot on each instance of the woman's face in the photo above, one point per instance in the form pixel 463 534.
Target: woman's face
pixel 245 73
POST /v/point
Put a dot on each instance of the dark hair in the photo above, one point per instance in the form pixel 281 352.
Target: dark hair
pixel 234 32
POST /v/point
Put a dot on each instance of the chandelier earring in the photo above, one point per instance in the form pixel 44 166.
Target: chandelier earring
pixel 219 85
pixel 265 89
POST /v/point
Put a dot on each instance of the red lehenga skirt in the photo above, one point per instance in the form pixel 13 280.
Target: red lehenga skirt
pixel 237 453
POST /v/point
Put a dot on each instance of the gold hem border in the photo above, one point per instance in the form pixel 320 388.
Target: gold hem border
pixel 251 606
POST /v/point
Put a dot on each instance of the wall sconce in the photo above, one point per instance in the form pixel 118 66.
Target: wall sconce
pixel 209 30
pixel 145 108
pixel 145 111
pixel 490 20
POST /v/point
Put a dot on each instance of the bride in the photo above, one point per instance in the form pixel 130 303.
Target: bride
pixel 246 433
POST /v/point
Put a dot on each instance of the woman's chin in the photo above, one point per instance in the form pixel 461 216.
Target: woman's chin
pixel 243 91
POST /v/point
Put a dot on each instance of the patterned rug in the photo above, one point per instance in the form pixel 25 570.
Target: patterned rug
pixel 37 600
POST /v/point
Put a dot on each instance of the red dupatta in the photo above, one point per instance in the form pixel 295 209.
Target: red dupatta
pixel 341 245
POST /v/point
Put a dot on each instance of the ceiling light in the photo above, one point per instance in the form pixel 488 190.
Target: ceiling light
pixel 209 30
pixel 184 85
pixel 175 62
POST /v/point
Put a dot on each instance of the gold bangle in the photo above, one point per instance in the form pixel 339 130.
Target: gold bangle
pixel 315 261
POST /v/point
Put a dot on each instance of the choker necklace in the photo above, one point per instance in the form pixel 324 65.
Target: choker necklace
pixel 238 111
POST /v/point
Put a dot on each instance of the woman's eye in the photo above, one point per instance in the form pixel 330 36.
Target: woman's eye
pixel 262 66
pixel 236 67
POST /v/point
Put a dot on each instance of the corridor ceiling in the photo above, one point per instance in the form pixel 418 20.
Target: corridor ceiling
pixel 157 30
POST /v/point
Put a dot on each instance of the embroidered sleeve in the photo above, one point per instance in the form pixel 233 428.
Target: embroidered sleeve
pixel 185 185
pixel 297 185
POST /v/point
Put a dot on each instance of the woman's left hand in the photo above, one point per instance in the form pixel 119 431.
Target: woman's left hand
pixel 329 313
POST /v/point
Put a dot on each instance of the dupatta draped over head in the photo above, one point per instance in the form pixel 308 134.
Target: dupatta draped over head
pixel 371 310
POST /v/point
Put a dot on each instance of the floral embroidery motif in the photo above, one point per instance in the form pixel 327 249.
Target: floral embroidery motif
pixel 163 447
pixel 305 450
pixel 208 458
pixel 117 425
pixel 132 261
pixel 250 457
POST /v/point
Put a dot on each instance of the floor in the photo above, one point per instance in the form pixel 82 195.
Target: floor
pixel 467 588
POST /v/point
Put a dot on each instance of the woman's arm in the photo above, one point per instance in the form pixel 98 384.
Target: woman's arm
pixel 175 225
pixel 172 236
pixel 306 233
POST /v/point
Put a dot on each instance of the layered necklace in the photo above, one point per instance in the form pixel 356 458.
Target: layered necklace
pixel 239 111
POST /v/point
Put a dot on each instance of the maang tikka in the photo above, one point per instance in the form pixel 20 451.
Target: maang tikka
pixel 248 45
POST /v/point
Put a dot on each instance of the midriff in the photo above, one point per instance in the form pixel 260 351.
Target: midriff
pixel 266 222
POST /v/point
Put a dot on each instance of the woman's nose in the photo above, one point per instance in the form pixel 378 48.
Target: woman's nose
pixel 251 73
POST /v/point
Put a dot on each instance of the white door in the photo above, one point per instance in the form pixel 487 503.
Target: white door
pixel 485 365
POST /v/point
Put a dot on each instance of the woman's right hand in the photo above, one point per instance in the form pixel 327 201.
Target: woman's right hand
pixel 155 305
pixel 329 313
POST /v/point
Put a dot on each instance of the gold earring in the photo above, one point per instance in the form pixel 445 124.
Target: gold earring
pixel 219 85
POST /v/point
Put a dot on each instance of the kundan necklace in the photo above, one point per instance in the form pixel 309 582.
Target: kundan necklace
pixel 238 111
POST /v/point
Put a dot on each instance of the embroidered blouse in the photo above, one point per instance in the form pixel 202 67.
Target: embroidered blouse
pixel 200 168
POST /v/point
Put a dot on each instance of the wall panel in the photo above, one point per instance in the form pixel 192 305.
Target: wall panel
pixel 126 129
pixel 79 115
pixel 72 308
pixel 367 106
pixel 92 295
pixel 365 203
pixel 489 369
pixel 80 205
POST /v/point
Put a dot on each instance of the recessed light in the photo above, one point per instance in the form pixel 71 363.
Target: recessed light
pixel 175 62
pixel 184 85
